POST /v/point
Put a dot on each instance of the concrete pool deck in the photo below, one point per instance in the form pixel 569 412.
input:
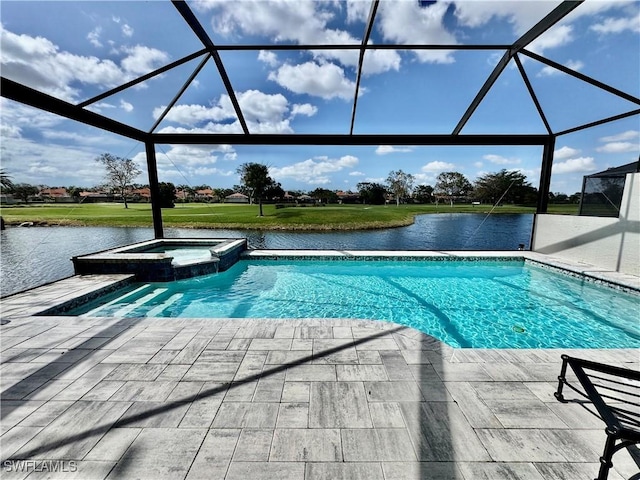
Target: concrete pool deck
pixel 95 398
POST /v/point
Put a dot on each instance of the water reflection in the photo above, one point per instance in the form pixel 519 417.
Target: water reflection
pixel 35 256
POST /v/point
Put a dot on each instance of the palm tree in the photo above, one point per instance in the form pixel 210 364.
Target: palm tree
pixel 5 180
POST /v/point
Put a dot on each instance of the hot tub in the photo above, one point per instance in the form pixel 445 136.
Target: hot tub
pixel 165 259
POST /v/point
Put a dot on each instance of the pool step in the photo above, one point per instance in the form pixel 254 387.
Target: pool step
pixel 124 311
pixel 157 311
pixel 96 311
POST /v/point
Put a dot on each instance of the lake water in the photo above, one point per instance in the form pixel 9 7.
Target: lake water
pixel 34 256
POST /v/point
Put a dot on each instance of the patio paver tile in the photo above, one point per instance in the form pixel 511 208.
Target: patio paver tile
pixel 306 445
pixel 421 470
pixel 253 445
pixel 266 470
pixel 377 445
pixel 213 458
pixel 344 471
pixel 160 453
pixel 338 405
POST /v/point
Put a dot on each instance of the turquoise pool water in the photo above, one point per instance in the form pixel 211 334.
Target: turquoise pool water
pixel 478 304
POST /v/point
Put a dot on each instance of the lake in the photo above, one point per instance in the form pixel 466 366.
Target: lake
pixel 37 255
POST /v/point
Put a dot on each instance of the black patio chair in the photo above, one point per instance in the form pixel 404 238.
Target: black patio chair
pixel 615 394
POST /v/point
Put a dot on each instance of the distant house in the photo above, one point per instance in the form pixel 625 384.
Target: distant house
pixel 306 199
pixel 58 195
pixel 347 197
pixel 288 197
pixel 60 192
pixel 94 197
pixel 141 193
pixel 206 195
pixel 236 198
pixel 7 199
pixel 183 195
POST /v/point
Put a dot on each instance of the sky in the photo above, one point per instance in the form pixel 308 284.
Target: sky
pixel 76 50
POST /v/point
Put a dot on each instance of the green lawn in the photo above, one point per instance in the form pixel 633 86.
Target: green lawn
pixel 199 215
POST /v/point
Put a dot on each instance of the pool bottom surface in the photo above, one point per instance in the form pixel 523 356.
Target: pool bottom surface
pixel 479 304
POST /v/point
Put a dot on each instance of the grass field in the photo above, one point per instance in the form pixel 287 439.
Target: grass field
pixel 201 215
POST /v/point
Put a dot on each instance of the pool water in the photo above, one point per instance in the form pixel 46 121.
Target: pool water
pixel 182 254
pixel 467 304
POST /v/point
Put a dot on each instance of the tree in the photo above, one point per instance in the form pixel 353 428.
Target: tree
pixel 274 191
pixel 400 184
pixel 74 192
pixel 503 186
pixel 423 193
pixel 324 195
pixel 255 178
pixel 372 193
pixel 120 173
pixel 23 191
pixel 167 194
pixel 452 185
pixel 5 181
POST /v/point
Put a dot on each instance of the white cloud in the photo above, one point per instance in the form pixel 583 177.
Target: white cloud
pixel 424 178
pixel 575 165
pixel 270 58
pixel 478 164
pixel 195 114
pixel 565 152
pixel 357 10
pixel 356 173
pixel 98 107
pixel 500 160
pixel 210 127
pixel 10 131
pixel 326 81
pixel 521 15
pixel 44 163
pixel 126 106
pixel 375 179
pixel 127 30
pixel 184 156
pixel 385 149
pixel 437 166
pixel 141 59
pixel 617 25
pixel 628 135
pixel 17 114
pixel 94 37
pixel 187 164
pixel 547 71
pixel 304 109
pixel 619 147
pixel 300 22
pixel 40 64
pixel 407 22
pixel 75 137
pixel 555 37
pixel 314 170
pixel 264 113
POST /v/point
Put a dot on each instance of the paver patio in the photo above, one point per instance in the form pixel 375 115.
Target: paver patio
pixel 266 399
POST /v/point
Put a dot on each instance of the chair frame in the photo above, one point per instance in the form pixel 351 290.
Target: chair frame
pixel 622 423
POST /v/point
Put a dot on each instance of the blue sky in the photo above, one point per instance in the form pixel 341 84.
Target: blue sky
pixel 76 50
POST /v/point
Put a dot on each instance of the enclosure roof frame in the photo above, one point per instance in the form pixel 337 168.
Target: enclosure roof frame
pixel 80 112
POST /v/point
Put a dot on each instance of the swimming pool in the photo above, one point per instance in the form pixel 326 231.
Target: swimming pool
pixel 467 304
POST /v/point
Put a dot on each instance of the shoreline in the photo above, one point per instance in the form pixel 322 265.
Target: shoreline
pixel 219 226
